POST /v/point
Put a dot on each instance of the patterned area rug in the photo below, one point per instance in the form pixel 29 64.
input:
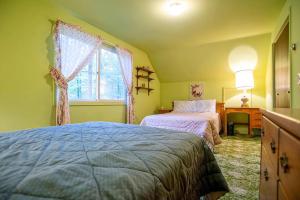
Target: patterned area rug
pixel 239 160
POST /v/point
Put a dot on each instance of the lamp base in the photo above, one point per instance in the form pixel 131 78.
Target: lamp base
pixel 245 103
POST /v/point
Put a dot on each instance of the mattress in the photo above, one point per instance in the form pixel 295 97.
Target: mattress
pixel 205 124
pixel 99 160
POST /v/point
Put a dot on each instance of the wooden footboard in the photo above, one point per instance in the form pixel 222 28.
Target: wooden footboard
pixel 221 110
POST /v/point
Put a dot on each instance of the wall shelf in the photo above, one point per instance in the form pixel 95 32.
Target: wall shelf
pixel 143 73
pixel 144 77
pixel 144 69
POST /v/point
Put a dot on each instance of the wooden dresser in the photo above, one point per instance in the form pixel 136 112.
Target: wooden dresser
pixel 280 155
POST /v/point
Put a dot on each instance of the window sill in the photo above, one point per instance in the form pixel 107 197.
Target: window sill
pixel 97 103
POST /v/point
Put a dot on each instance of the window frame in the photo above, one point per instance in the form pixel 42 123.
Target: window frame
pixel 98 101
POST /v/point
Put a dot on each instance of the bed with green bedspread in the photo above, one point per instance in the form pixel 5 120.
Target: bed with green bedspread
pixel 102 160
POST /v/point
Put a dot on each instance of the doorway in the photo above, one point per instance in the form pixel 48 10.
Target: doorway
pixel 282 88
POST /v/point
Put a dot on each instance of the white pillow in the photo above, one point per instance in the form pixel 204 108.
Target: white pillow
pixel 205 106
pixel 184 106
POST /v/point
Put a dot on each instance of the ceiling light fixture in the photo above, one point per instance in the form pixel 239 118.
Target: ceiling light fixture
pixel 175 8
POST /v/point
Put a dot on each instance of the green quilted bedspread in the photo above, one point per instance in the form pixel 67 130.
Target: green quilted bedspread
pixel 99 160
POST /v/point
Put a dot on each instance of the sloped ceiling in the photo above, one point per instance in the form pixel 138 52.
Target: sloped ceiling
pixel 145 24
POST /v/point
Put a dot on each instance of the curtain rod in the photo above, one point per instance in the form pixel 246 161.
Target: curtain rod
pixel 53 22
pixel 109 43
pixel 115 45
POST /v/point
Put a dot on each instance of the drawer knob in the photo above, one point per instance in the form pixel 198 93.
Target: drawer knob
pixel 284 163
pixel 273 146
pixel 266 174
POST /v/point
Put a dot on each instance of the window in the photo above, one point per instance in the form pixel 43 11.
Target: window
pixel 101 79
pixel 111 81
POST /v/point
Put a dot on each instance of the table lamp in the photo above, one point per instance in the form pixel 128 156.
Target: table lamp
pixel 244 81
pixel 242 61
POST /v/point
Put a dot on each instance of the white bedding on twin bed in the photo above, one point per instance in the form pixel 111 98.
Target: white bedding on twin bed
pixel 205 124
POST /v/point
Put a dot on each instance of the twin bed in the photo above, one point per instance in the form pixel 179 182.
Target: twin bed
pixel 201 117
pixel 102 160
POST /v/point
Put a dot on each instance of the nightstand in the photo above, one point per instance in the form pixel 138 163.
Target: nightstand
pixel 255 117
pixel 162 111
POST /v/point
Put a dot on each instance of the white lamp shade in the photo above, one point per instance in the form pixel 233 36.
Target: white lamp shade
pixel 242 58
pixel 244 80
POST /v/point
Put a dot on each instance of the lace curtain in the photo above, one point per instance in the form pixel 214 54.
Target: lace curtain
pixel 73 50
pixel 126 66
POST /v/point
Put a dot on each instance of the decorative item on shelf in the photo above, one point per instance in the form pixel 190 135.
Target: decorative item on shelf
pixel 143 73
pixel 242 61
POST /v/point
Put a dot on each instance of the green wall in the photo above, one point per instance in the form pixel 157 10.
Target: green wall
pixel 290 10
pixel 26 89
pixel 211 67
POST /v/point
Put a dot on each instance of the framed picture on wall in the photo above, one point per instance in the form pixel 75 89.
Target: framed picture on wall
pixel 196 90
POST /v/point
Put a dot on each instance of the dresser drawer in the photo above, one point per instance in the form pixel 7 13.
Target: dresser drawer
pixel 239 110
pixel 256 123
pixel 281 192
pixel 256 118
pixel 289 164
pixel 268 178
pixel 270 142
pixel 256 115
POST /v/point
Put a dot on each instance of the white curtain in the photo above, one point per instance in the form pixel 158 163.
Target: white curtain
pixel 73 50
pixel 126 66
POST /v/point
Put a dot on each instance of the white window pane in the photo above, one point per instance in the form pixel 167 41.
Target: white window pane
pixel 111 81
pixel 84 85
